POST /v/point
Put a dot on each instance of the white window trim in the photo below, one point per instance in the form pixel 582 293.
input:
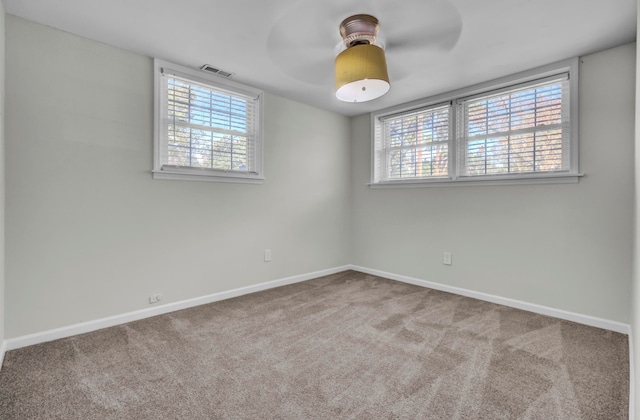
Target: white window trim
pixel 203 174
pixel 572 176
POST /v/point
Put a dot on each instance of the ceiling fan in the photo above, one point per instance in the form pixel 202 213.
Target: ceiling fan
pixel 305 41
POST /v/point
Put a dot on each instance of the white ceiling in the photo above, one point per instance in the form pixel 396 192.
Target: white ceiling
pixel 287 47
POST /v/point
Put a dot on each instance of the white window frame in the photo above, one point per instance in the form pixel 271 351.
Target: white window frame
pixel 163 171
pixel 455 178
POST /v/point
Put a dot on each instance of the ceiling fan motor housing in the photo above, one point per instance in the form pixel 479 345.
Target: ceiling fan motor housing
pixel 359 29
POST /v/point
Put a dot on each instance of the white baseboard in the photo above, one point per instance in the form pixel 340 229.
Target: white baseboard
pixel 98 324
pixel 531 307
pixel 89 326
pixel 632 377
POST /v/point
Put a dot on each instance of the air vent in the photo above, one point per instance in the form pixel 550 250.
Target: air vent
pixel 211 69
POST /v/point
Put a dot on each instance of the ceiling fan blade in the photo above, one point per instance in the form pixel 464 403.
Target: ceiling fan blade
pixel 432 25
pixel 305 48
pixel 442 42
pixel 440 37
pixel 308 63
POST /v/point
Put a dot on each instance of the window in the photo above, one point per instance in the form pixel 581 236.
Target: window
pixel 207 128
pixel 416 144
pixel 519 129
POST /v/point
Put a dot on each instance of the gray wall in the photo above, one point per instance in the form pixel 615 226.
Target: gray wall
pixel 90 234
pixel 635 294
pixel 565 246
pixel 2 172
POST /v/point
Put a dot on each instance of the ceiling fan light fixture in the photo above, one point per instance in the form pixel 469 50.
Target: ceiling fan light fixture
pixel 361 69
pixel 361 74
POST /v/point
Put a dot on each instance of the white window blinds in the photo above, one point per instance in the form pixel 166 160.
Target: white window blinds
pixel 523 129
pixel 415 144
pixel 207 127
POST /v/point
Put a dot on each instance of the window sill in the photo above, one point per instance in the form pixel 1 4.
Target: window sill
pixel 206 177
pixel 481 181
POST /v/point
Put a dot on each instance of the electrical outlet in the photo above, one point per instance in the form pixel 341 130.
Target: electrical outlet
pixel 155 298
pixel 446 258
pixel 267 255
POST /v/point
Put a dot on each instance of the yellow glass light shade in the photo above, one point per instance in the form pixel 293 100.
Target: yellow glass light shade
pixel 361 73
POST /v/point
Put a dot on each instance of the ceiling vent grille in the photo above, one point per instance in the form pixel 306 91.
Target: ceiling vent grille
pixel 211 69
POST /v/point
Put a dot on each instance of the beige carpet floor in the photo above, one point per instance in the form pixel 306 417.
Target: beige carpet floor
pixel 348 345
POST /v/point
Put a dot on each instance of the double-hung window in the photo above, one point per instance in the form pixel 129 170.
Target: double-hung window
pixel 523 129
pixel 207 128
pixel 520 129
pixel 415 144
